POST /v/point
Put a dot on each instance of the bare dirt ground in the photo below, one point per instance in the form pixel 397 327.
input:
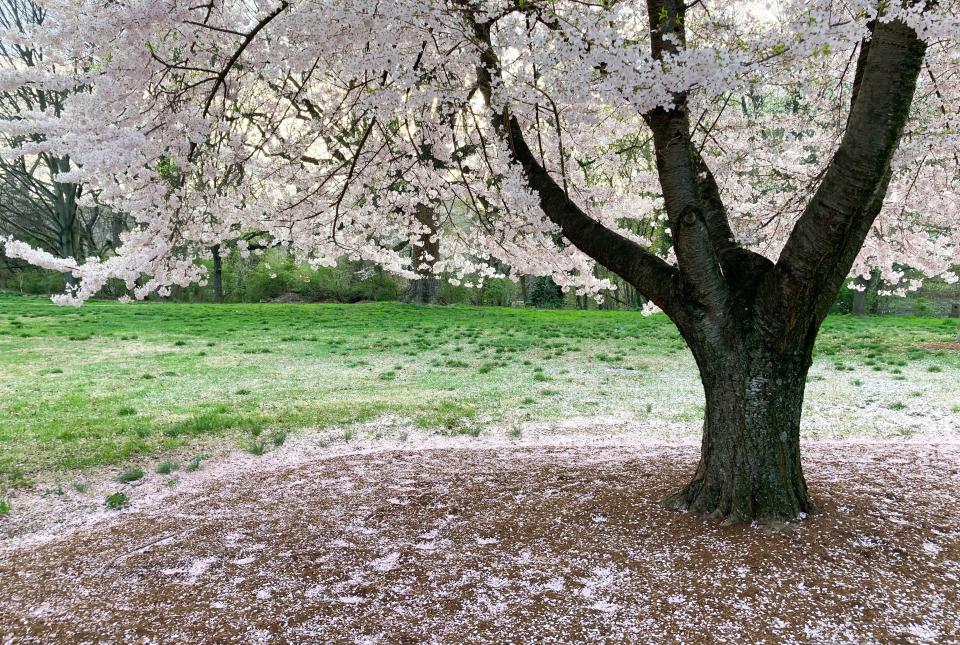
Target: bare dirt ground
pixel 548 544
pixel 953 346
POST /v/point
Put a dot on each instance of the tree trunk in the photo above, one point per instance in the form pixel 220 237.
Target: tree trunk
pixel 425 290
pixel 860 297
pixel 750 454
pixel 866 286
pixel 65 207
pixel 217 274
pixel 118 224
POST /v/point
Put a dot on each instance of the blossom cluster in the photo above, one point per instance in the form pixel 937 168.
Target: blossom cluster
pixel 326 127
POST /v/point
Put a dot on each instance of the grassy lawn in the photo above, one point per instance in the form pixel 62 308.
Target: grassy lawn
pixel 108 382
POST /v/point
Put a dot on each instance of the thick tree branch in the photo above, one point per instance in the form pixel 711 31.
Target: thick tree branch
pixel 709 257
pixel 652 276
pixel 827 238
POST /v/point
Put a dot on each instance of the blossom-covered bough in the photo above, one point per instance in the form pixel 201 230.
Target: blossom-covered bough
pixel 782 148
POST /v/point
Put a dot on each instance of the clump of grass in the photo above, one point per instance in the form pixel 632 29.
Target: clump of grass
pixel 257 448
pixel 242 392
pixel 167 467
pixel 897 405
pixel 514 433
pixel 4 507
pixel 194 464
pixel 528 400
pixel 126 411
pixel 80 486
pixel 449 414
pixel 117 501
pixel 934 368
pixel 349 434
pixel 856 382
pixel 212 422
pixel 278 438
pixel 387 376
pixel 130 476
pixel 469 430
pixel 180 343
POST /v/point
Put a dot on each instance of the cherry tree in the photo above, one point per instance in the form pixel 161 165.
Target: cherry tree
pixel 780 148
pixel 33 204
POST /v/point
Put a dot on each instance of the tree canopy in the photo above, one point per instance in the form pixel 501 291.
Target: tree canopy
pixel 326 126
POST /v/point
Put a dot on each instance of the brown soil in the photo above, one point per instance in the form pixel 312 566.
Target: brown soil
pixel 543 544
pixel 948 346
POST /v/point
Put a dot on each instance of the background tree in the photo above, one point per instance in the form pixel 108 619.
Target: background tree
pixel 38 201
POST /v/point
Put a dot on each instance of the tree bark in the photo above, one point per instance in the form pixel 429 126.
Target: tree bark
pixel 859 307
pixel 425 290
pixel 749 465
pixel 65 207
pixel 866 286
pixel 217 274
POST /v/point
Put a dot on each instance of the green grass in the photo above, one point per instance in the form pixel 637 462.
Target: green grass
pixel 129 381
pixel 130 476
pixel 257 448
pixel 117 501
pixel 166 467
